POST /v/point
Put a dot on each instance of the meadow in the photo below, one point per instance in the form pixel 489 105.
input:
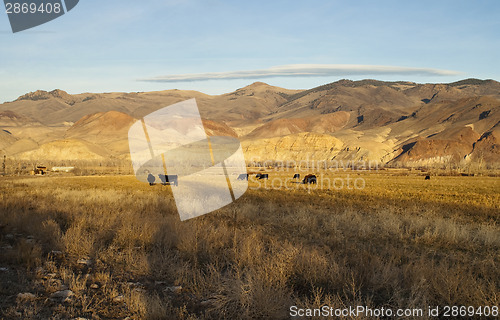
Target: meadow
pixel 111 247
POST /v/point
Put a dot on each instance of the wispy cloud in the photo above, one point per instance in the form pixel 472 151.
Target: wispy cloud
pixel 304 70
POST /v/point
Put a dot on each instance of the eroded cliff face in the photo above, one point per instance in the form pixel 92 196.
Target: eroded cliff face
pixel 300 146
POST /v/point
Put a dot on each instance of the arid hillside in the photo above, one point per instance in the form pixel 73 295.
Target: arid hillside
pixel 395 123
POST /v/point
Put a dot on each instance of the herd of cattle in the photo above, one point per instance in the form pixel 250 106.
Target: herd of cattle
pixel 308 179
pixel 165 179
pixel 173 179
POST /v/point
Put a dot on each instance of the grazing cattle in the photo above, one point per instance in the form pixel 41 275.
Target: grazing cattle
pixel 427 177
pixel 310 178
pixel 262 176
pixel 151 179
pixel 243 176
pixel 296 176
pixel 168 179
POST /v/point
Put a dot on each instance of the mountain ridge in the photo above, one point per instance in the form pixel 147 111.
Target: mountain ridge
pixel 395 122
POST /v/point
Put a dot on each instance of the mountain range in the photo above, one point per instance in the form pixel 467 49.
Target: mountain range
pixel 396 123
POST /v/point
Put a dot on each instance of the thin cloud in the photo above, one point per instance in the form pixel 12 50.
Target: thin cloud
pixel 304 70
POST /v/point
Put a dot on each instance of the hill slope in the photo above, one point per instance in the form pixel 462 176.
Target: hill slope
pixel 401 123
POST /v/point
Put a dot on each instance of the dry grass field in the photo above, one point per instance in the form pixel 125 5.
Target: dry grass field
pixel 110 247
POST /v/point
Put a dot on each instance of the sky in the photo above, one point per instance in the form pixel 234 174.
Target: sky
pixel 219 46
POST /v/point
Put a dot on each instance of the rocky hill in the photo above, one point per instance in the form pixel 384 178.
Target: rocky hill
pixel 397 123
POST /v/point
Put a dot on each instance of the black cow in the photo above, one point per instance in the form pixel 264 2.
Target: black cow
pixel 427 177
pixel 168 179
pixel 243 176
pixel 310 178
pixel 296 176
pixel 261 176
pixel 151 179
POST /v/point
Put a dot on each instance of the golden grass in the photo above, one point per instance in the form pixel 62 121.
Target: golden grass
pixel 399 242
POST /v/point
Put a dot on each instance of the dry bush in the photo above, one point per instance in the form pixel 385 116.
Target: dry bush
pixel 400 242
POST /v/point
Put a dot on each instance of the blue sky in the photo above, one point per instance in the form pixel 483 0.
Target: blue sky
pixel 111 45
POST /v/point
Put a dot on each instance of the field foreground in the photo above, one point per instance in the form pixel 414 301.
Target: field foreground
pixel 110 247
